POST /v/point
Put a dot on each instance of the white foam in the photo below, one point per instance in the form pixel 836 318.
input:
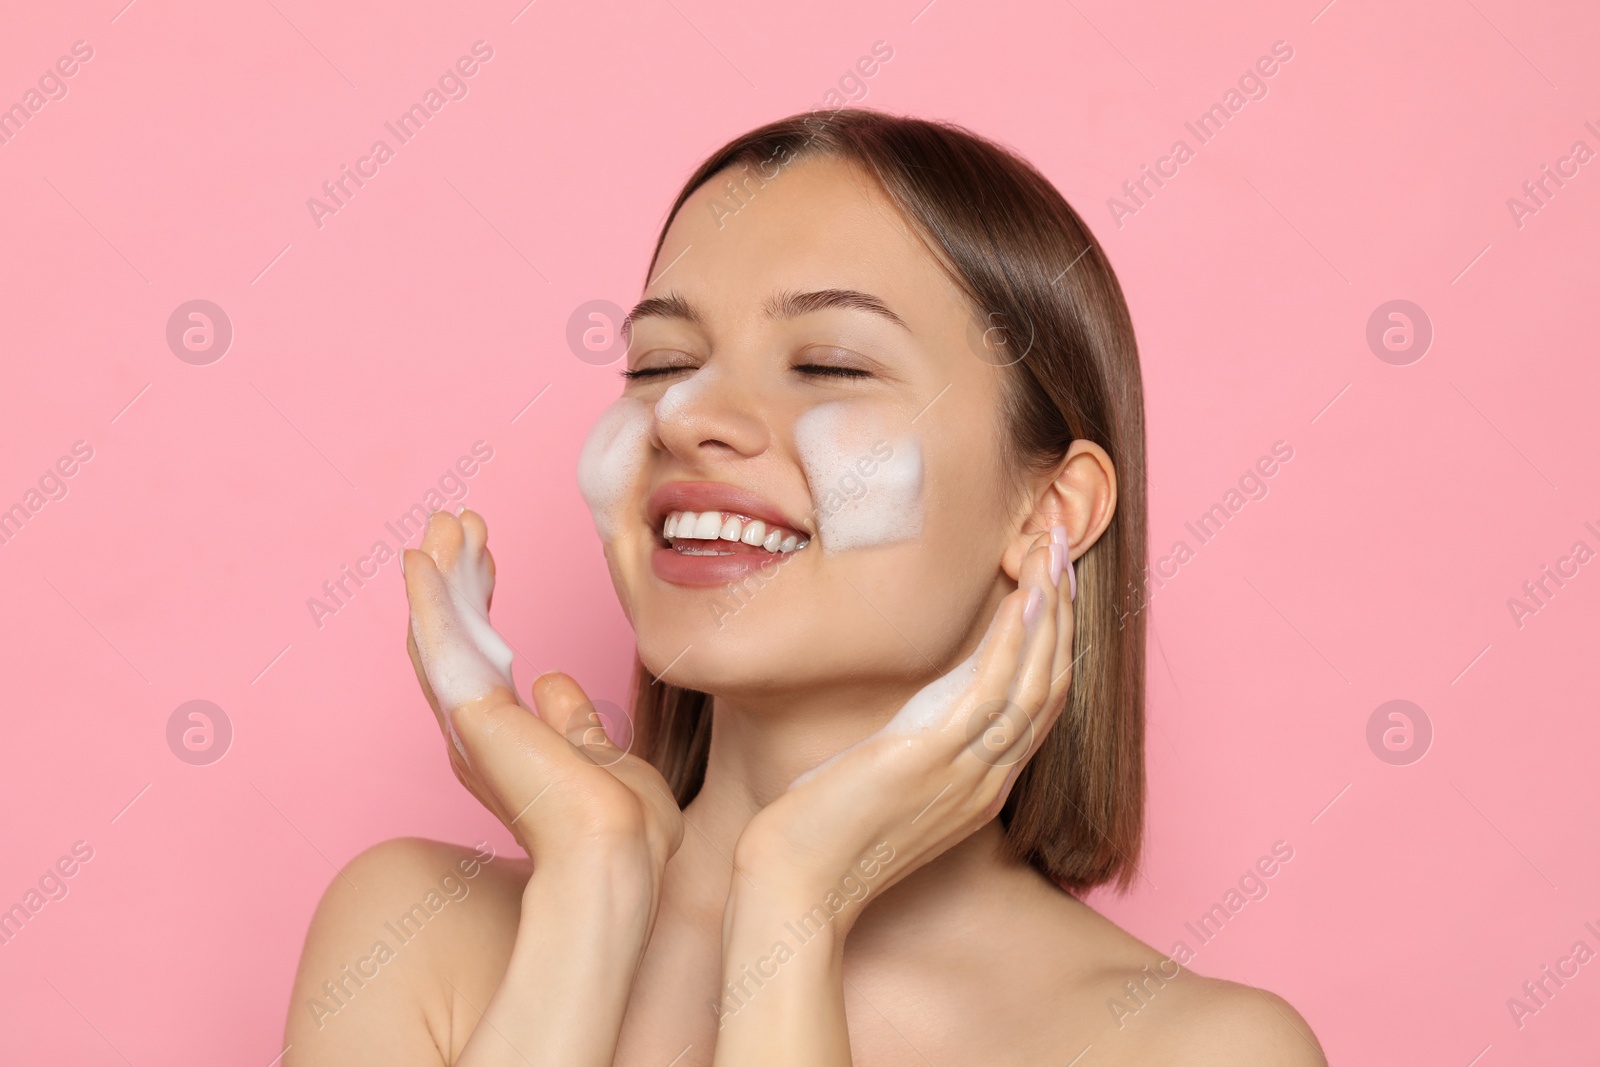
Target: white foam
pixel 611 461
pixel 866 484
pixel 462 655
pixel 676 402
pixel 931 705
pixel 929 708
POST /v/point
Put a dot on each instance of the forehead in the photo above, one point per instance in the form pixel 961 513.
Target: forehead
pixel 819 222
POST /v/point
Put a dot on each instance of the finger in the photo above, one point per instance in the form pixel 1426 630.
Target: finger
pixel 474 531
pixel 443 539
pixel 514 756
pixel 1006 647
pixel 564 706
pixel 416 596
pixel 1066 631
pixel 455 668
pixel 416 668
pixel 475 538
pixel 1002 729
pixel 1060 667
pixel 1031 688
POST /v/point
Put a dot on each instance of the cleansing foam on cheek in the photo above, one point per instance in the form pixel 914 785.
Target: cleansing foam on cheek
pixel 612 459
pixel 866 483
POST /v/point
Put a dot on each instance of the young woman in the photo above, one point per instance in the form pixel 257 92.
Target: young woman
pixel 873 500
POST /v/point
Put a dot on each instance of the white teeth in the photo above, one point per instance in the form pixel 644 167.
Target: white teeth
pixel 683 526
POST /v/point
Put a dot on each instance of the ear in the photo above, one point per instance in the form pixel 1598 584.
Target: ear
pixel 1081 495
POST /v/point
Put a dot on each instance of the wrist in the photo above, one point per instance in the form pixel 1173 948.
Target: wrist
pixel 762 914
pixel 782 975
pixel 616 890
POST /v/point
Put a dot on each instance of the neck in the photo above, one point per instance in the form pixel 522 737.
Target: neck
pixel 760 744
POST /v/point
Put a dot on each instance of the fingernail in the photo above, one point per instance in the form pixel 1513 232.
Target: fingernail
pixel 1072 581
pixel 1058 554
pixel 1058 536
pixel 1035 604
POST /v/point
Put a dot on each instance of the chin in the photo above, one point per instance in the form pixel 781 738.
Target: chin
pixel 806 621
pixel 718 646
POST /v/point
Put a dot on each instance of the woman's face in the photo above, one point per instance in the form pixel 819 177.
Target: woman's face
pixel 800 361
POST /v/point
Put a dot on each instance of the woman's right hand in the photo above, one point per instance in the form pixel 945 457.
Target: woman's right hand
pixel 599 823
pixel 550 774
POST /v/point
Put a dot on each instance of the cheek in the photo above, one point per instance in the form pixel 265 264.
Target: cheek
pixel 611 462
pixel 839 444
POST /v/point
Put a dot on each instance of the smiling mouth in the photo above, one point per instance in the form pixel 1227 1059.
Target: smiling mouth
pixel 725 533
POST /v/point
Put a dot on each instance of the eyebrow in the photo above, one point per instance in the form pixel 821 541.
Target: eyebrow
pixel 787 304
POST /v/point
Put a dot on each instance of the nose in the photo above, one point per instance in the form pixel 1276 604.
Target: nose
pixel 707 416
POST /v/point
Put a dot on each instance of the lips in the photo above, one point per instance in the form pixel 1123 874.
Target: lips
pixel 717 496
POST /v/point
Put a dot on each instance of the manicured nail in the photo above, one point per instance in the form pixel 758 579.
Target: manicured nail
pixel 1058 536
pixel 1072 581
pixel 1035 604
pixel 1058 554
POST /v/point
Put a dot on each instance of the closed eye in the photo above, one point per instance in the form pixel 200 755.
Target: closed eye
pixel 817 370
pixel 651 372
pixel 825 370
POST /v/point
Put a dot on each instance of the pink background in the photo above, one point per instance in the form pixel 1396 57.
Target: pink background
pixel 372 352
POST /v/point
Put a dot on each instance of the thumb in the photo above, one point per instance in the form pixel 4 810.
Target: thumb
pixel 566 709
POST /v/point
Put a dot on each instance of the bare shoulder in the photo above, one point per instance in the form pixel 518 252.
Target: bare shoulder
pixel 1076 981
pixel 1214 1023
pixel 404 934
pixel 1155 1010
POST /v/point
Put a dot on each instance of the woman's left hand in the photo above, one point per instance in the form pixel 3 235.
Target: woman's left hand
pixel 941 768
pixel 938 770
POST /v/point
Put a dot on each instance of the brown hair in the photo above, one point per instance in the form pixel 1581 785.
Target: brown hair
pixel 1032 269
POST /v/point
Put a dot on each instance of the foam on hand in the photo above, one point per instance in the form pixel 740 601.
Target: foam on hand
pixel 867 487
pixel 462 655
pixel 932 704
pixel 929 708
pixel 613 456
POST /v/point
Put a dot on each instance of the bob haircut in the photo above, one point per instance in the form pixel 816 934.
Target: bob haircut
pixel 1047 307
